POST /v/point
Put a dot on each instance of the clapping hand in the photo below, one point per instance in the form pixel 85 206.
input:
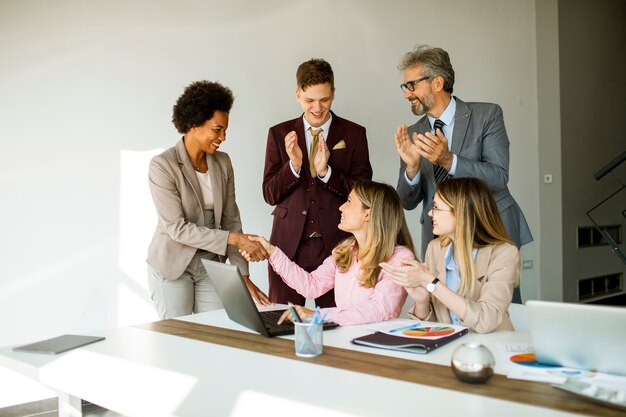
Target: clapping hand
pixel 408 150
pixel 410 273
pixel 321 156
pixel 293 150
pixel 413 276
pixel 434 148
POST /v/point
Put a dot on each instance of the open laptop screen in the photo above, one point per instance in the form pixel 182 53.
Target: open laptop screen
pixel 581 336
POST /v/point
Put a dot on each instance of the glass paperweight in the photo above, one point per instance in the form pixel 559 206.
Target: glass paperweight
pixel 473 363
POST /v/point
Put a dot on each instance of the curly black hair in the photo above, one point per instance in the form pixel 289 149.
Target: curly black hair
pixel 199 102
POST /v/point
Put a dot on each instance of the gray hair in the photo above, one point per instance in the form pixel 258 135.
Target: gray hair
pixel 434 62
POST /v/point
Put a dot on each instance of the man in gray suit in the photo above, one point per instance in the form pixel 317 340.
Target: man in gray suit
pixel 455 139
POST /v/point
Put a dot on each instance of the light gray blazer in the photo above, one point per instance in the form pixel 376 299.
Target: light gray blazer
pixel 497 273
pixel 481 145
pixel 178 200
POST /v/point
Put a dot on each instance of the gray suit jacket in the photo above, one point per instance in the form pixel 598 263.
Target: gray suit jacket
pixel 178 199
pixel 481 145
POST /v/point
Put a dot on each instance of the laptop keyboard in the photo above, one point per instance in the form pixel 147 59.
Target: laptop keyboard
pixel 270 319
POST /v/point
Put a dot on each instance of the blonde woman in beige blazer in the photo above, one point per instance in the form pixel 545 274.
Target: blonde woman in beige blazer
pixel 470 271
pixel 193 188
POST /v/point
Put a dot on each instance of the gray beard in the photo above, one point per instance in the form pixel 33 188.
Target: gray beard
pixel 419 109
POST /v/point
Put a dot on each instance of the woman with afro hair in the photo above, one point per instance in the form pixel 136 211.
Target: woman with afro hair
pixel 193 189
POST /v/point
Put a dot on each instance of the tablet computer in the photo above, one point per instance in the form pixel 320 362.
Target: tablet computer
pixel 59 344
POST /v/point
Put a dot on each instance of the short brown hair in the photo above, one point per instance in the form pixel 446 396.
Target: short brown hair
pixel 313 72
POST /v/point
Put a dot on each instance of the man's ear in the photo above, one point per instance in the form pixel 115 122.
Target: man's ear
pixel 439 83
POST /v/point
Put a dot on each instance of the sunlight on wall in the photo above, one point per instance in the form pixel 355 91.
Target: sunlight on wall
pixel 137 223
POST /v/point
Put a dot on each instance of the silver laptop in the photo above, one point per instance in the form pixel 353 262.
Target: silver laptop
pixel 581 336
pixel 240 306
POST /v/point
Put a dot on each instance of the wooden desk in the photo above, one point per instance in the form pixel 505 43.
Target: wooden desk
pixel 194 368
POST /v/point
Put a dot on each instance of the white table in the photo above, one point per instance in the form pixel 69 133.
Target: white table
pixel 138 372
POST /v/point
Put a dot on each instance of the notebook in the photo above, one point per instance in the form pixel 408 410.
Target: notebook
pixel 59 344
pixel 240 306
pixel 581 336
pixel 421 338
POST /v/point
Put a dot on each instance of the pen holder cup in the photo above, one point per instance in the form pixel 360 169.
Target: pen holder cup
pixel 308 339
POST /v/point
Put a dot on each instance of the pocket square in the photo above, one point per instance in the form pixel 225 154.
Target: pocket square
pixel 340 145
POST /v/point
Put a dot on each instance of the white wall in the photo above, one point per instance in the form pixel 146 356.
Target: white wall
pixel 82 83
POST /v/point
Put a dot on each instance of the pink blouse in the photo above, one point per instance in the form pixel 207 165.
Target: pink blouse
pixel 355 304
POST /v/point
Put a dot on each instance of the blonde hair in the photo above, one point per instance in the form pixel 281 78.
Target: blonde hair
pixel 478 224
pixel 385 230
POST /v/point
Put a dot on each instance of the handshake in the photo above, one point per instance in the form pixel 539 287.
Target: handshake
pixel 252 247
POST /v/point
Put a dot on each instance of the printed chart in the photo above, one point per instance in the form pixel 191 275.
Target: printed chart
pixel 437 331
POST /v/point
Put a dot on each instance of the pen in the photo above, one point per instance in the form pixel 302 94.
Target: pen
pixel 316 315
pixel 323 317
pixel 409 327
pixel 295 314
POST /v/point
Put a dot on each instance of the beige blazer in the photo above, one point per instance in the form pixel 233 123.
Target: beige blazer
pixel 178 200
pixel 497 271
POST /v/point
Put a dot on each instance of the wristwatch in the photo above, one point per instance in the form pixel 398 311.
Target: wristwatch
pixel 431 287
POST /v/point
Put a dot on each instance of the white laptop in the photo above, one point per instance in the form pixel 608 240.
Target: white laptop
pixel 581 336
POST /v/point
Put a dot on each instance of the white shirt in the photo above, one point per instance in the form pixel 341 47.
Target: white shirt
pixel 207 190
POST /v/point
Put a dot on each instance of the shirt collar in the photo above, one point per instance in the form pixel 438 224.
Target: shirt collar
pixel 450 264
pixel 447 117
pixel 325 127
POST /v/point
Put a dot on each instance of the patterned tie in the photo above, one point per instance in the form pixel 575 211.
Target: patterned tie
pixel 316 134
pixel 441 173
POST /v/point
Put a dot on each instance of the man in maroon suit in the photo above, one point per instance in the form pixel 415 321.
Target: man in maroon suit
pixel 310 164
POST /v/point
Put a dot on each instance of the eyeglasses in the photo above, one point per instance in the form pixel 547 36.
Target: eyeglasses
pixel 435 208
pixel 410 85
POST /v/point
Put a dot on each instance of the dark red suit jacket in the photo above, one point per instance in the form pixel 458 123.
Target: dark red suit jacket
pixel 293 196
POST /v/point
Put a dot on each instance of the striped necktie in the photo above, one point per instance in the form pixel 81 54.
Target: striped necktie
pixel 316 134
pixel 441 174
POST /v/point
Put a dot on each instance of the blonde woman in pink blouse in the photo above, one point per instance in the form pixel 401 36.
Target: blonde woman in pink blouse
pixel 363 293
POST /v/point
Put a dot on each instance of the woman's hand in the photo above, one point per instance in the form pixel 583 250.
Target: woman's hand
pixel 254 251
pixel 419 294
pixel 258 240
pixel 413 276
pixel 258 295
pixel 410 273
pixel 304 313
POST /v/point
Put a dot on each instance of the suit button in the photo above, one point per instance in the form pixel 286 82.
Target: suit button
pixel 312 201
pixel 304 212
